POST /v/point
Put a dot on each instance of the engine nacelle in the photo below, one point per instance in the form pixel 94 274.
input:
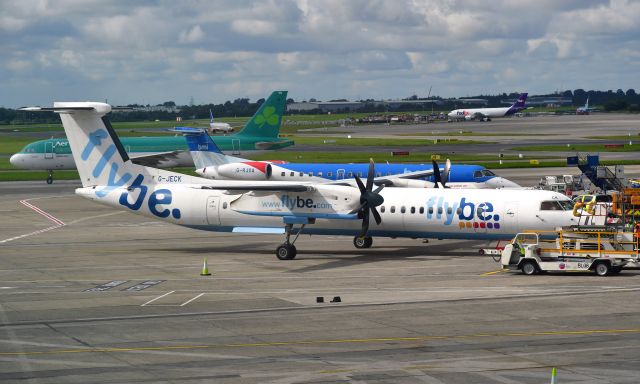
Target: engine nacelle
pixel 255 170
pixel 410 183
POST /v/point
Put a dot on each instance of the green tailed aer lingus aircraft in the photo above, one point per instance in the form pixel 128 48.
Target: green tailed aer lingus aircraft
pixel 259 134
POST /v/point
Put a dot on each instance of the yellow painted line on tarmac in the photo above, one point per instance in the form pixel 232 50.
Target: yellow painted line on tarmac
pixel 586 332
pixel 494 272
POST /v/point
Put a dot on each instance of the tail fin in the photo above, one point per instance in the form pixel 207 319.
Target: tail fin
pixel 203 149
pixel 586 105
pixel 210 116
pixel 267 120
pixel 98 153
pixel 521 100
pixel 518 105
pixel 100 159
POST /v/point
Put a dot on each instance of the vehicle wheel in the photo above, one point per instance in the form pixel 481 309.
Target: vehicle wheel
pixel 362 242
pixel 286 252
pixel 529 268
pixel 602 269
pixel 49 180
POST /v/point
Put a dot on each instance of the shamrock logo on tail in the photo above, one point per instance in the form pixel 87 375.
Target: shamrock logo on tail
pixel 268 116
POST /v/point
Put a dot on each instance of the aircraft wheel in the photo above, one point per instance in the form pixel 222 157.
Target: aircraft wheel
pixel 362 242
pixel 602 269
pixel 286 252
pixel 50 180
pixel 529 268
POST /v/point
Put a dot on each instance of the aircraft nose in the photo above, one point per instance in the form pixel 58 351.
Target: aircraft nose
pixel 16 160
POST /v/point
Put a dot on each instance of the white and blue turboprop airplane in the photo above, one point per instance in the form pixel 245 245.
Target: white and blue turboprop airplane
pixel 109 177
pixel 211 163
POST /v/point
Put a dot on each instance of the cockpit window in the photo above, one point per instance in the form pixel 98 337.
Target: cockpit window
pixel 483 173
pixel 555 205
pixel 487 173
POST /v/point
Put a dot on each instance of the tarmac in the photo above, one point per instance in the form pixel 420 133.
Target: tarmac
pixel 93 295
pixel 89 295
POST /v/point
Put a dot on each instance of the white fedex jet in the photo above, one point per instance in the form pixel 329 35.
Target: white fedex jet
pixel 486 114
pixel 218 127
pixel 109 177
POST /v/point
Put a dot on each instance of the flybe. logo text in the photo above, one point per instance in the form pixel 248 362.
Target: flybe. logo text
pixel 469 214
pixel 138 191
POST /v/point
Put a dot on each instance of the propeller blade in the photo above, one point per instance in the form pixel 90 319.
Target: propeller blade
pixel 360 186
pixel 447 170
pixel 376 216
pixel 370 175
pixel 379 188
pixel 436 174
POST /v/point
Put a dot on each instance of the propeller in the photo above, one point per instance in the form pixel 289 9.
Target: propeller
pixel 369 200
pixel 441 179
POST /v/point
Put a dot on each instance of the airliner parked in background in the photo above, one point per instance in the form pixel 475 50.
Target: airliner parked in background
pixel 218 127
pixel 109 177
pixel 260 133
pixel 585 109
pixel 486 114
pixel 211 163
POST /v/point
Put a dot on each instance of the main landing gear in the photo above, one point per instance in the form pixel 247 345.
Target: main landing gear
pixel 361 242
pixel 286 250
pixel 50 177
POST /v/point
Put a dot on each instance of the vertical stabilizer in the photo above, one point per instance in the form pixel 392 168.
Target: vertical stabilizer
pixel 100 159
pixel 518 105
pixel 266 122
pixel 203 149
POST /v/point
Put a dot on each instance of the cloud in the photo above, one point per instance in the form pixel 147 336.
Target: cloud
pixel 153 51
pixel 193 35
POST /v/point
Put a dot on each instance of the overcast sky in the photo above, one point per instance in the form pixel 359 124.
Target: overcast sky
pixel 213 51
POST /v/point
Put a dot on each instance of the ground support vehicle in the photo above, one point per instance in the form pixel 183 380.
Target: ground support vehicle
pixel 600 249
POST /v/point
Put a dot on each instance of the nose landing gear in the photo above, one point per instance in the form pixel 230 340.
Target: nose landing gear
pixel 50 177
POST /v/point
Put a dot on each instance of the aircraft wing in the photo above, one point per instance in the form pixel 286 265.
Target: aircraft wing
pixel 260 186
pixel 157 160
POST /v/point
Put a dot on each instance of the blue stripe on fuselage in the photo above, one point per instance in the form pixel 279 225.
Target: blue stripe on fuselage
pixel 459 172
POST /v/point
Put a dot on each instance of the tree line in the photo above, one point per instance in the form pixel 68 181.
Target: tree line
pixel 610 100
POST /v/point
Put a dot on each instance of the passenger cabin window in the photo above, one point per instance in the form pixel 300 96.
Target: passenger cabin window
pixel 413 209
pixel 359 174
pixel 378 174
pixel 350 174
pixel 393 209
pixel 421 210
pixel 310 173
pixel 430 210
pixel 382 209
pixel 301 174
pixel 283 173
pixel 319 174
pixel 329 174
pixel 403 209
pixel 292 173
pixel 224 205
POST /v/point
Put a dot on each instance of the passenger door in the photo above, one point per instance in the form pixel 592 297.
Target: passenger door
pixel 48 150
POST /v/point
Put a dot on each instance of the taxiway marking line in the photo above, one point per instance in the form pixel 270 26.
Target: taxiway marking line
pixel 493 272
pixel 58 223
pixel 586 332
pixel 192 299
pixel 157 298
